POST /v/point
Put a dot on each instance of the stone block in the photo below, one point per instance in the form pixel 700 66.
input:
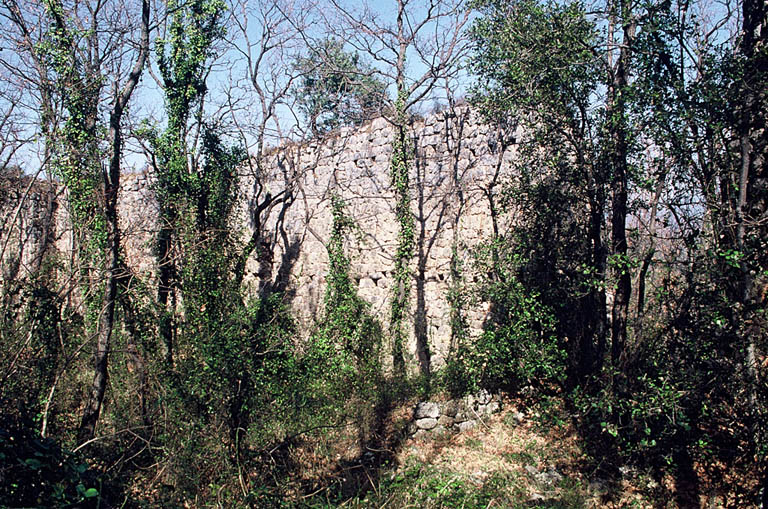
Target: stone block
pixel 427 409
pixel 426 423
pixel 466 426
pixel 451 408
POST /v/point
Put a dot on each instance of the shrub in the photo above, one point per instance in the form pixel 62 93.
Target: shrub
pixel 38 472
pixel 518 345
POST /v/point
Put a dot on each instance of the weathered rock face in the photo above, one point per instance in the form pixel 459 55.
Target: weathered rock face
pixel 458 165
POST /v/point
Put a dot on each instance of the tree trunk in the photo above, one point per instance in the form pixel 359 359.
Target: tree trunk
pixel 618 160
pixel 648 256
pixel 401 183
pixel 752 206
pixel 112 262
pixel 592 354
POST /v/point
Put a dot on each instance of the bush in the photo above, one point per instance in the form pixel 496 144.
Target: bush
pixel 37 472
pixel 518 345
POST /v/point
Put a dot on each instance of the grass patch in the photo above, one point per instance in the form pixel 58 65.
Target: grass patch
pixel 474 443
pixel 428 487
pixel 522 458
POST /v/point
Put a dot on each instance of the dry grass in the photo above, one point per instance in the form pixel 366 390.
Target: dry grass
pixel 499 463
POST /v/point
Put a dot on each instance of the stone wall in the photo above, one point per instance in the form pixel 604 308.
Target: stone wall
pixel 456 415
pixel 28 215
pixel 459 163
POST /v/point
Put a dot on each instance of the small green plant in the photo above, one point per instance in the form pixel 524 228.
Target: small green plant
pixel 473 443
pixel 551 412
pixel 38 472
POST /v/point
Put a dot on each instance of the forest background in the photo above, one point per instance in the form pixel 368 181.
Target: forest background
pixel 633 291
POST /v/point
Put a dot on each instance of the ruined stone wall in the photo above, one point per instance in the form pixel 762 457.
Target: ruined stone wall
pixel 459 163
pixel 28 216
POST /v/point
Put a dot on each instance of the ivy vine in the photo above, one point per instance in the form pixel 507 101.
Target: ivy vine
pixel 74 147
pixel 400 166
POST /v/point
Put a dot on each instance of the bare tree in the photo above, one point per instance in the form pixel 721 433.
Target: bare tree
pixel 65 56
pixel 267 39
pixel 411 47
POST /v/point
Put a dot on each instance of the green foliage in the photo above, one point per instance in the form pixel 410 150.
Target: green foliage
pixel 37 333
pixel 74 145
pixel 235 369
pixel 37 472
pixel 345 351
pixel 336 88
pixel 182 58
pixel 430 487
pixel 519 345
pixel 537 63
pixel 196 192
pixel 183 55
pixel 533 56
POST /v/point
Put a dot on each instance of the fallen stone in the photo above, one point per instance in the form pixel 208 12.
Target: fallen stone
pixel 451 408
pixel 466 425
pixel 427 409
pixel 483 397
pixel 532 471
pixel 492 407
pixel 551 476
pixel 446 421
pixel 426 423
pixel 597 485
pixel 461 416
pixel 627 471
pixel 479 476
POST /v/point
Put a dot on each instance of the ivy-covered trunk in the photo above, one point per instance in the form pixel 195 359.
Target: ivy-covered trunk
pixel 112 264
pixel 400 168
pixel 92 200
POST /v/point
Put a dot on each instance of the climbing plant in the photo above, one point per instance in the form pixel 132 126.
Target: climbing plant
pixel 182 56
pixel 399 168
pixel 348 334
pixel 74 145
